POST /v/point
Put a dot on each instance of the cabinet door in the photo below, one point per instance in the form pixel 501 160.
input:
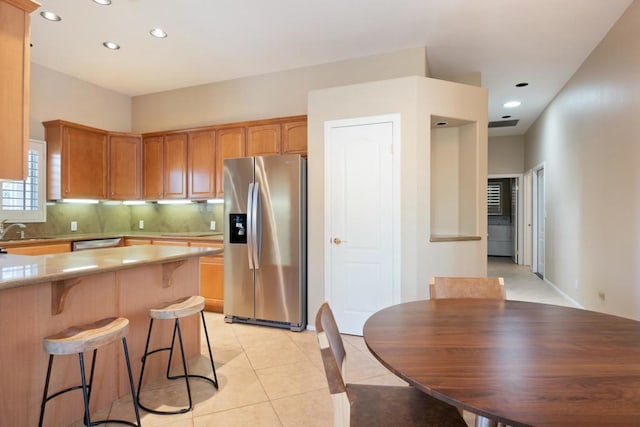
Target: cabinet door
pixel 53 248
pixel 14 88
pixel 134 241
pixel 230 143
pixel 153 167
pixel 263 140
pixel 175 166
pixel 84 163
pixel 294 137
pixel 202 157
pixel 125 163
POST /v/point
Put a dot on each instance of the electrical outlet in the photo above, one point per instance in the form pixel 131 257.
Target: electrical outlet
pixel 141 224
pixel 74 225
pixel 212 225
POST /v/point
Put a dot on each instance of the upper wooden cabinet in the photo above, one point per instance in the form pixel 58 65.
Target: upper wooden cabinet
pixel 175 166
pixel 202 157
pixel 14 87
pixel 76 161
pixel 230 143
pixel 164 159
pixel 294 137
pixel 125 166
pixel 153 167
pixel 263 140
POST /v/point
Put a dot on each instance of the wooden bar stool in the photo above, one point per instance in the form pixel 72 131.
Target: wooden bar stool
pixel 175 310
pixel 78 339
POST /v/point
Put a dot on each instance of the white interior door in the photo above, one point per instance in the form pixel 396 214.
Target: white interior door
pixel 541 216
pixel 360 180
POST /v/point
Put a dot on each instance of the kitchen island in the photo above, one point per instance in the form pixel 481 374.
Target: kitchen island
pixel 41 295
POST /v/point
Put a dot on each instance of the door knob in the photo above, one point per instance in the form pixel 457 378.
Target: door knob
pixel 337 240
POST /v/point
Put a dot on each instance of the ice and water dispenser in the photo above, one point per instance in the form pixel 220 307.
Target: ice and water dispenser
pixel 238 228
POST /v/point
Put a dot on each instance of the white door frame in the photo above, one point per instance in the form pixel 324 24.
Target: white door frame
pixel 528 220
pixel 395 202
pixel 520 229
pixel 534 215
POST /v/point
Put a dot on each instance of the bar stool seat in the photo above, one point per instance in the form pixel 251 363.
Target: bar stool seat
pixel 77 340
pixel 176 310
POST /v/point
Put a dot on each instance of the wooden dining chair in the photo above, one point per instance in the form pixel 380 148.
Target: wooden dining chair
pixel 467 287
pixel 374 405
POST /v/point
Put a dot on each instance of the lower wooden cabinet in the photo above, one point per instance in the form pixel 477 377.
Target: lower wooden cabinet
pixel 52 248
pixel 212 282
pixel 212 279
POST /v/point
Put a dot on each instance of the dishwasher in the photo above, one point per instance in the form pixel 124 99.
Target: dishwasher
pixel 83 245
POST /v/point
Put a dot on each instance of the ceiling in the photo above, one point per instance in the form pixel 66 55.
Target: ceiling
pixel 541 42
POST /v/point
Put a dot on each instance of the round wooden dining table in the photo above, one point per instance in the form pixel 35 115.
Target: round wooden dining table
pixel 518 363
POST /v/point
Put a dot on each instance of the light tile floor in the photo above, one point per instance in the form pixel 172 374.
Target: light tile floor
pixel 272 377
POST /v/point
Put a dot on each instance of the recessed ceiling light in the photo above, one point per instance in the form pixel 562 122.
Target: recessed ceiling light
pixel 158 32
pixel 111 45
pixel 442 123
pixel 523 84
pixel 506 117
pixel 50 16
pixel 103 2
pixel 512 104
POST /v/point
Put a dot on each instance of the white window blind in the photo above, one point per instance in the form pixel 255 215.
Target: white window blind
pixel 494 198
pixel 25 200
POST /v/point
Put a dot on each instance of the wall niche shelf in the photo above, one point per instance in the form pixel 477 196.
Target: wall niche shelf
pixel 454 180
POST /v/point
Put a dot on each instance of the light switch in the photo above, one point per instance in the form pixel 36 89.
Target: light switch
pixel 141 224
pixel 74 225
pixel 212 225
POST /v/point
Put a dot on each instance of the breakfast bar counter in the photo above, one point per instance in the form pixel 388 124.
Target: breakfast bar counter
pixel 41 295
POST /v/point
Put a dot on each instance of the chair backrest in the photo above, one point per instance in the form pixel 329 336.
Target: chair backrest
pixel 467 287
pixel 334 359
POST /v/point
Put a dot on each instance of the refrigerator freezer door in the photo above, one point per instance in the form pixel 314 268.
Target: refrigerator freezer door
pixel 238 277
pixel 279 280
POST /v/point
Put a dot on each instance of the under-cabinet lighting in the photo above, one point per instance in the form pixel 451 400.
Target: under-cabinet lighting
pixel 215 201
pixel 174 202
pixel 512 104
pixel 84 267
pixel 103 2
pixel 81 201
pixel 134 202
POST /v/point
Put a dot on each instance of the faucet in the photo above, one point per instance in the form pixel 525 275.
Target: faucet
pixel 4 231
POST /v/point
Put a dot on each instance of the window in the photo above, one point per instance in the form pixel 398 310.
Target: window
pixel 494 198
pixel 24 201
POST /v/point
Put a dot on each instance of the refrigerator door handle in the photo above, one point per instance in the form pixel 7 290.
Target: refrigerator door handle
pixel 256 229
pixel 249 226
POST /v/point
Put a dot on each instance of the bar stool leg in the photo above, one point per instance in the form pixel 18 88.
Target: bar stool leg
pixel 87 417
pixel 184 362
pixel 46 389
pixel 206 334
pixel 133 389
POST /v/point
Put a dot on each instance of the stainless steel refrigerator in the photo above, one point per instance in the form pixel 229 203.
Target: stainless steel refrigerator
pixel 265 256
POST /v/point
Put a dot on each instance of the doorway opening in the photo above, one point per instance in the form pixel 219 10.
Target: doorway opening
pixel 504 213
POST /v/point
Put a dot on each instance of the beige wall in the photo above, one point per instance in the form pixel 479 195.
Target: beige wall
pixel 415 99
pixel 506 155
pixel 589 141
pixel 59 96
pixel 265 96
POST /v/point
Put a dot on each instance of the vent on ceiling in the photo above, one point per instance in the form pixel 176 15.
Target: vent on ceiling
pixel 503 123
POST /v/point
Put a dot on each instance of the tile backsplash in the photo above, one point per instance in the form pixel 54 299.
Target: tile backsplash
pixel 107 217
